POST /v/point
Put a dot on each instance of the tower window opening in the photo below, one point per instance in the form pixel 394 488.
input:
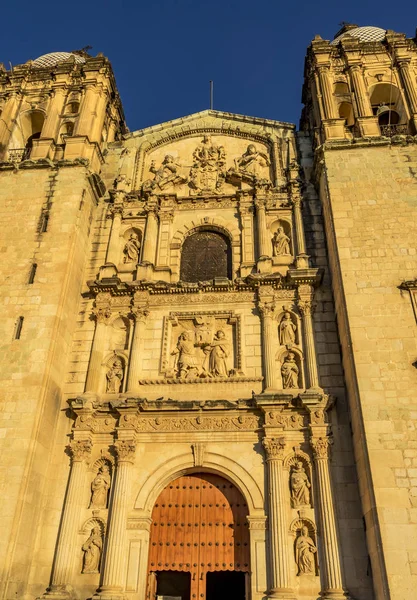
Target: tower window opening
pixel 72 108
pixel 32 273
pixel 18 328
pixel 44 223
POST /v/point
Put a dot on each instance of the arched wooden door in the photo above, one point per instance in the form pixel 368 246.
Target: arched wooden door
pixel 199 543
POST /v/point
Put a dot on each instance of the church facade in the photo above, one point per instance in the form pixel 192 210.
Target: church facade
pixel 209 337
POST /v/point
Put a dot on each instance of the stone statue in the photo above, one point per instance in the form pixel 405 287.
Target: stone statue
pixel 287 330
pixel 131 249
pixel 304 553
pixel 122 183
pixel 114 377
pixel 207 173
pixel 289 372
pixel 100 488
pixel 280 243
pixel 252 162
pixel 166 174
pixel 219 350
pixel 300 486
pixel 186 363
pixel 92 551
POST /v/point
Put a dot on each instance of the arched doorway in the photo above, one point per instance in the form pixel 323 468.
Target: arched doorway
pixel 199 542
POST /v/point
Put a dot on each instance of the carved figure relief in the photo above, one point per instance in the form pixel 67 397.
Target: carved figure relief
pixel 300 486
pixel 218 351
pixel 287 330
pixel 131 249
pixel 114 377
pixel 305 550
pixel 280 243
pixel 168 173
pixel 122 183
pixel 207 174
pixel 289 372
pixel 250 167
pixel 100 488
pixel 92 549
pixel 186 363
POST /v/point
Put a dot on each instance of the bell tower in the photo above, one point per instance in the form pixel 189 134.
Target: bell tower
pixel 360 97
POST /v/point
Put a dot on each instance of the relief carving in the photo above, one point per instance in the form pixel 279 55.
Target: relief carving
pixel 251 167
pixel 100 488
pixel 92 549
pixel 166 174
pixel 207 174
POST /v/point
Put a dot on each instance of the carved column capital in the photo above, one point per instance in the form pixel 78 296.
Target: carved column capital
pixel 79 450
pixel 267 308
pixel 125 450
pixel 274 448
pixel 141 313
pixel 321 447
pixel 102 314
pixel 115 210
pixel 305 301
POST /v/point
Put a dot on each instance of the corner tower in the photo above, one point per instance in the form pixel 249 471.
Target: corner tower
pixel 57 115
pixel 360 96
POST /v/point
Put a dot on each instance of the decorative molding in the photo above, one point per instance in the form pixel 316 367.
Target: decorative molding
pixel 199 423
pixel 286 420
pixel 198 450
pixel 225 380
pixel 257 523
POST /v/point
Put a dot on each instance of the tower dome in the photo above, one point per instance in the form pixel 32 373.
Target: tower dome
pixel 364 34
pixel 55 58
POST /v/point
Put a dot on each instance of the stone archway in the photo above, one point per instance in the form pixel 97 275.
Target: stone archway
pixel 199 542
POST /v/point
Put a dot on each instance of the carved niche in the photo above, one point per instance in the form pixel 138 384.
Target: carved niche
pixel 201 346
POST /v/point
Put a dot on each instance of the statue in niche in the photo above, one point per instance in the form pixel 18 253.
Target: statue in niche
pixel 289 372
pixel 92 549
pixel 300 486
pixel 207 173
pixel 132 249
pixel 122 183
pixel 287 330
pixel 186 363
pixel 166 174
pixel 305 550
pixel 100 488
pixel 218 351
pixel 114 377
pixel 280 243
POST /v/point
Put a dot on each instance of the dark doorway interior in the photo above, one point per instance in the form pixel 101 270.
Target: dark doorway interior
pixel 223 585
pixel 173 584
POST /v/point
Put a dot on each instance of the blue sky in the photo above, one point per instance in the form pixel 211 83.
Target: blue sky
pixel 164 52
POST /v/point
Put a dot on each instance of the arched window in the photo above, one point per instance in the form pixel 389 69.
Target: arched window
pixel 32 124
pixel 341 88
pixel 205 254
pixel 72 108
pixel 67 130
pixel 346 112
pixel 387 105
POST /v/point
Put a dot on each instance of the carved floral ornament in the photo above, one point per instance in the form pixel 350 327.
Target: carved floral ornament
pixel 125 450
pixel 80 450
pixel 274 448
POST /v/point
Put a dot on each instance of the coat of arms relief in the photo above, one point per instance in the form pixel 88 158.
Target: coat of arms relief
pixel 209 169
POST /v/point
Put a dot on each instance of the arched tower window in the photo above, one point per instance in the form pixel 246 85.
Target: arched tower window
pixel 387 105
pixel 32 125
pixel 205 254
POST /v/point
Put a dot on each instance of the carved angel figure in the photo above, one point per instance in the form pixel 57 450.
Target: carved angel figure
pixel 252 162
pixel 115 377
pixel 186 362
pixel 219 351
pixel 289 372
pixel 304 553
pixel 92 549
pixel 280 243
pixel 287 330
pixel 131 249
pixel 300 486
pixel 122 183
pixel 100 488
pixel 167 173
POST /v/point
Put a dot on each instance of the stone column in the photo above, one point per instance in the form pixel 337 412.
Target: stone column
pixel 409 85
pixel 166 219
pixel 55 108
pixel 114 572
pixel 327 95
pixel 278 527
pixel 362 99
pixel 306 305
pixel 99 116
pixel 269 336
pixel 64 558
pixel 151 237
pixel 88 107
pixel 331 572
pixel 246 219
pixel 7 120
pixel 113 250
pixel 302 256
pixel 264 243
pixel 141 313
pixel 102 315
